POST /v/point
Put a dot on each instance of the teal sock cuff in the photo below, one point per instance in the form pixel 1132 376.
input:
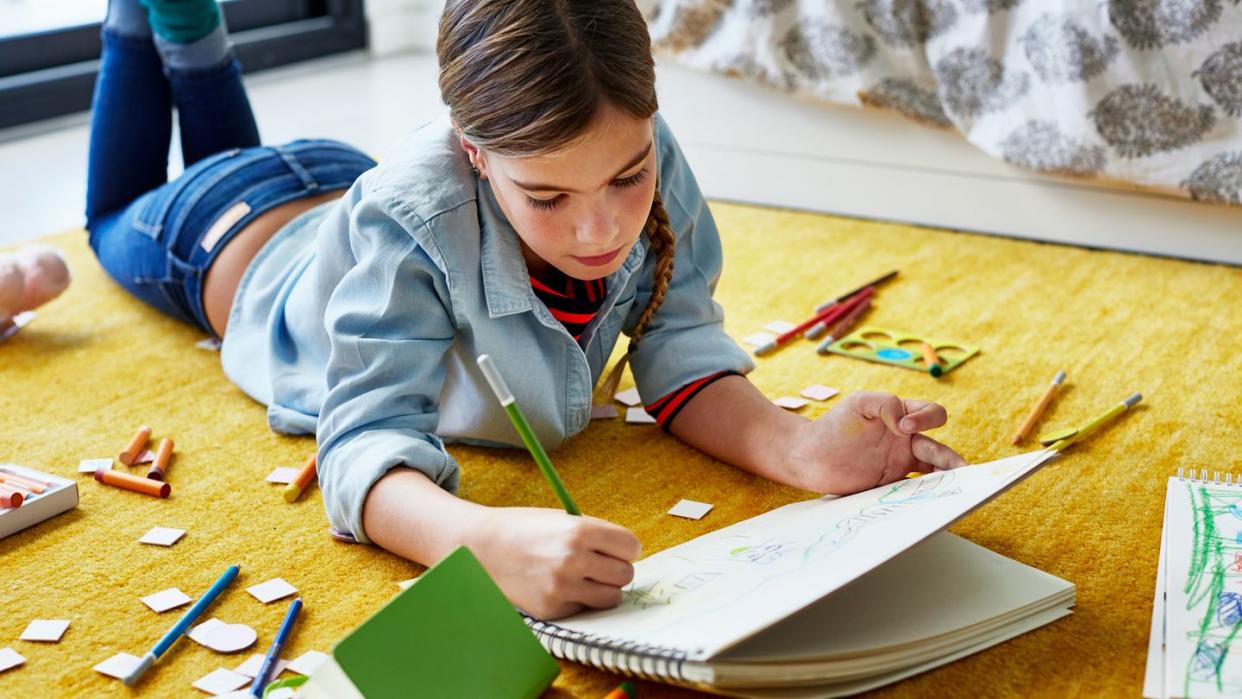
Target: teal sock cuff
pixel 182 21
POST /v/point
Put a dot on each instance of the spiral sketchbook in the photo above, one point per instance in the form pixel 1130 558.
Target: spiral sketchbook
pixel 1197 611
pixel 825 597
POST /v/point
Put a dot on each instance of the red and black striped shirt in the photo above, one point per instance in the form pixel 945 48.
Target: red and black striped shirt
pixel 575 303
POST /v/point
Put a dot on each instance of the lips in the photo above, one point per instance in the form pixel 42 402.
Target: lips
pixel 598 260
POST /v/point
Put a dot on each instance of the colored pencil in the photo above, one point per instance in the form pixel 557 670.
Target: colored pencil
pixel 1044 401
pixel 505 396
pixel 182 625
pixel 934 366
pixel 844 326
pixel 273 653
pixel 163 455
pixel 1098 422
pixel 875 282
pixel 12 479
pixel 137 484
pixel 136 444
pixel 10 497
pixel 306 474
pixel 832 315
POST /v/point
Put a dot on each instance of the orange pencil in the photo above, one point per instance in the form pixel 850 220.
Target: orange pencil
pixel 136 444
pixel 625 690
pixel 10 497
pixel 162 457
pixel 934 367
pixel 12 479
pixel 1039 408
pixel 138 484
pixel 293 491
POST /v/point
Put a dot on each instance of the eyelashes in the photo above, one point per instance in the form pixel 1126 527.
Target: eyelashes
pixel 549 204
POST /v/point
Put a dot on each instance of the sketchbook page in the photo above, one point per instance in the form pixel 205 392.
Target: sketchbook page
pixel 707 594
pixel 1203 590
pixel 960 585
pixel 1153 681
pixel 852 687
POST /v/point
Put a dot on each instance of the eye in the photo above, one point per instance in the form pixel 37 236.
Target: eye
pixel 545 204
pixel 632 180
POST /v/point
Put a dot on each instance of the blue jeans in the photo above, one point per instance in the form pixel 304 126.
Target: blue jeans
pixel 158 238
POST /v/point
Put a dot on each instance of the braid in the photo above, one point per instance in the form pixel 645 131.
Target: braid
pixel 662 244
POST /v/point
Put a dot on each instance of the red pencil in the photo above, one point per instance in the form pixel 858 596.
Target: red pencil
pixel 828 317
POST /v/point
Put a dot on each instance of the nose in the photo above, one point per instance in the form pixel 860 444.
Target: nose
pixel 599 227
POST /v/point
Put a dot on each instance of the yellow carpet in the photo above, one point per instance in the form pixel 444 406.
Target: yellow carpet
pixel 95 364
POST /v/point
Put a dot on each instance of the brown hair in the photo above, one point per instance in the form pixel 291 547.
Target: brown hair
pixel 526 77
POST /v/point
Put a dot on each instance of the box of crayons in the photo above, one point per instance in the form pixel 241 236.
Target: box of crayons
pixel 28 497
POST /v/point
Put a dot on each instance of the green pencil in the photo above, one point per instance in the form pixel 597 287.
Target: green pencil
pixel 505 396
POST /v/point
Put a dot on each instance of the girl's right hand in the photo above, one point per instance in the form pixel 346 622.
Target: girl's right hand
pixel 552 564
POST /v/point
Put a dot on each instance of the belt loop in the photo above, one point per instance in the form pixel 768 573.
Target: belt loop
pixel 296 166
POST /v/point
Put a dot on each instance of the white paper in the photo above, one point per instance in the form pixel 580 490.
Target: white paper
pixel 200 633
pixel 706 594
pixel 603 412
pixel 162 536
pixel 221 681
pixel 93 465
pixel 251 667
pixel 405 584
pixel 47 630
pixel 306 663
pixel 1203 607
pixel 780 327
pixel 819 392
pixel 690 509
pixel 629 396
pixel 118 666
pixel 638 416
pixel 230 638
pixel 283 475
pixel 10 659
pixel 758 339
pixel 210 344
pixel 272 590
pixel 166 599
pixel 19 321
pixel 790 403
pixel 1153 680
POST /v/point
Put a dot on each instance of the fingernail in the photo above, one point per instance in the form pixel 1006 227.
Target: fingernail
pixel 907 425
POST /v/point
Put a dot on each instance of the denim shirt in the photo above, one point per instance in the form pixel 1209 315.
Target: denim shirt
pixel 361 320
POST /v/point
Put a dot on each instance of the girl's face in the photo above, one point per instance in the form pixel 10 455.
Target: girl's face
pixel 582 208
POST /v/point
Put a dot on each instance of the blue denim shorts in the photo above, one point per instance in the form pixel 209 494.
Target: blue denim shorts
pixel 160 247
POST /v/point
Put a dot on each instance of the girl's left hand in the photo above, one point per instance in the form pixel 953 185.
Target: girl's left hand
pixel 867 440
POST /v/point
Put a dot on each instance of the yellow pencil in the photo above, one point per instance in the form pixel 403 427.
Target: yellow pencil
pixel 1098 422
pixel 1039 408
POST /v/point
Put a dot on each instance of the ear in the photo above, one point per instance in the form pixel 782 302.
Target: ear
pixel 477 161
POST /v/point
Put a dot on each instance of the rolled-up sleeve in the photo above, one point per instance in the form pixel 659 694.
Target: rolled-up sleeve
pixel 389 325
pixel 685 340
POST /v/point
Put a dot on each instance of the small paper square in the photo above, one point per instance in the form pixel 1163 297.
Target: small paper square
pixel 758 339
pixel 48 630
pixel 272 590
pixel 93 465
pixel 162 536
pixel 199 633
pixel 779 327
pixel 638 416
pixel 171 598
pixel 603 412
pixel 790 403
pixel 306 663
pixel 251 667
pixel 145 456
pixel 284 475
pixel 9 659
pixel 210 344
pixel 18 322
pixel 221 681
pixel 819 392
pixel 690 509
pixel 629 396
pixel 118 666
pixel 405 584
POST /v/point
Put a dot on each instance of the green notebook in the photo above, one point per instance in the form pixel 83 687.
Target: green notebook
pixel 451 634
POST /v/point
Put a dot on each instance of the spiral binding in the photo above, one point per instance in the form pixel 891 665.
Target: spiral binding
pixel 644 660
pixel 1201 476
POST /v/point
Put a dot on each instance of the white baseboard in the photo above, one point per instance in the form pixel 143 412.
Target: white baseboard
pixel 755 145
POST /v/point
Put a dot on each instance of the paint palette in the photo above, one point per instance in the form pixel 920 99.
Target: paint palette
pixel 899 348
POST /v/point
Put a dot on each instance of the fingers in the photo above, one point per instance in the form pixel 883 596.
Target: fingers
pixel 938 456
pixel 612 540
pixel 608 570
pixel 885 406
pixel 922 415
pixel 597 595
